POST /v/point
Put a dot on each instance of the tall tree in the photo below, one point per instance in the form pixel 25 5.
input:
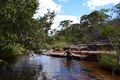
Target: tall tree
pixel 92 22
pixel 64 24
pixel 16 17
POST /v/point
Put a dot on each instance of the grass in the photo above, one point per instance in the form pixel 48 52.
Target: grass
pixel 109 62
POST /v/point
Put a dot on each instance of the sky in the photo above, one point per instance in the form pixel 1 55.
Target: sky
pixel 71 9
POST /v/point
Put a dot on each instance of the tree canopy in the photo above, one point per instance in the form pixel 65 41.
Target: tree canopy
pixel 19 30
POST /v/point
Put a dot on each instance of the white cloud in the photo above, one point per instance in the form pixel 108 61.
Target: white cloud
pixel 50 4
pixel 47 4
pixel 96 3
pixel 60 18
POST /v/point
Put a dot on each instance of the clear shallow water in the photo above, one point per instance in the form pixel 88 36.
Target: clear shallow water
pixel 40 67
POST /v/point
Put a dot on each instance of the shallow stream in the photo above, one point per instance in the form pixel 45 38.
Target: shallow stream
pixel 41 67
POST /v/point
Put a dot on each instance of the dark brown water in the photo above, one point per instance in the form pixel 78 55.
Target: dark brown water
pixel 39 67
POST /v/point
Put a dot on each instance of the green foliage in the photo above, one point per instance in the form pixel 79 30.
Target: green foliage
pixel 37 47
pixel 109 30
pixel 20 31
pixel 94 18
pixel 65 24
pixel 16 19
pixel 109 62
pixel 88 30
pixel 116 10
pixel 92 23
pixel 10 50
pixel 96 26
pixel 18 27
pixel 86 38
pixel 68 34
pixel 16 14
pixel 2 63
pixel 60 44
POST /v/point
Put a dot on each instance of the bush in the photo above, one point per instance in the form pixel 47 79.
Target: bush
pixel 2 63
pixel 10 50
pixel 37 47
pixel 59 44
pixel 109 62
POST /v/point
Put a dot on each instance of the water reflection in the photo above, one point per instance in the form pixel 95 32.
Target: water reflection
pixel 23 68
pixel 39 67
pixel 68 64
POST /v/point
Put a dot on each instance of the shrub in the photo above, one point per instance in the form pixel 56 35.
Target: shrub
pixel 109 62
pixel 10 50
pixel 59 44
pixel 2 63
pixel 37 47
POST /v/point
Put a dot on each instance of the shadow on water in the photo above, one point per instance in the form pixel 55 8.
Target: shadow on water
pixel 22 68
pixel 40 67
pixel 68 64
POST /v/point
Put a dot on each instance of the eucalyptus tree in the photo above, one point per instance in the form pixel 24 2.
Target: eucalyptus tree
pixel 116 10
pixel 44 26
pixel 69 33
pixel 65 24
pixel 114 35
pixel 91 24
pixel 46 21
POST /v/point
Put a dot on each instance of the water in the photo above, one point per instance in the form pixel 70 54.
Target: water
pixel 40 67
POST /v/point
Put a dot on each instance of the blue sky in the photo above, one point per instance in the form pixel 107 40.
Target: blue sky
pixel 72 9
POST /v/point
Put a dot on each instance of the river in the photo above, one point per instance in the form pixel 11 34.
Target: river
pixel 41 67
